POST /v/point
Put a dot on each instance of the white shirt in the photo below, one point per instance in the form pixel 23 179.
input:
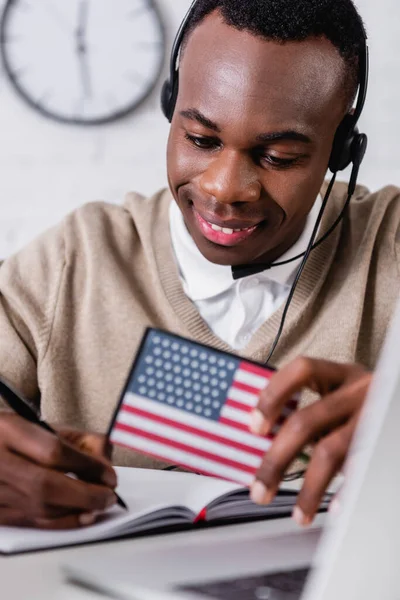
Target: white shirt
pixel 234 310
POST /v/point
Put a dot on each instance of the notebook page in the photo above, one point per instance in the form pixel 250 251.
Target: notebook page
pixel 145 491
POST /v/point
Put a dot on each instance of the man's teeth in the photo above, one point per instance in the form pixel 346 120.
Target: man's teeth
pixel 226 229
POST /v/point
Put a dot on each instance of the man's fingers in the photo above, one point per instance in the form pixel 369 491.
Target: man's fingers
pixel 44 487
pixel 302 372
pixel 36 488
pixel 301 428
pixel 12 517
pixel 67 522
pixel 48 450
pixel 328 458
pixel 12 499
pixel 318 375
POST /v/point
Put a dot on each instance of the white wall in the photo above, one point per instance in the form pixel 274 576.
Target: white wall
pixel 47 169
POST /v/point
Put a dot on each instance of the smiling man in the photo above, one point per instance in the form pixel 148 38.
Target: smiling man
pixel 263 87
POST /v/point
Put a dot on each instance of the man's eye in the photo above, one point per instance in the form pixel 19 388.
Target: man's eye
pixel 281 163
pixel 205 143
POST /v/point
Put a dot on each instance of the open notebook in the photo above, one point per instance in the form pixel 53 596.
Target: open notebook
pixel 157 500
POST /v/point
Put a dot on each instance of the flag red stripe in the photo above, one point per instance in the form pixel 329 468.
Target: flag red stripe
pixel 291 404
pixel 234 424
pixel 239 405
pixel 247 409
pixel 240 426
pixel 256 370
pixel 190 449
pixel 189 429
pixel 245 387
pixel 188 466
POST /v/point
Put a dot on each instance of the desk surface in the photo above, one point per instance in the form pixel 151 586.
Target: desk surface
pixel 37 576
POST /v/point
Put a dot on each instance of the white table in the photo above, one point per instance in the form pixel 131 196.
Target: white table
pixel 38 576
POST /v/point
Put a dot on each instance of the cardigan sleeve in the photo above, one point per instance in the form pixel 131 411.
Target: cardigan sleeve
pixel 29 284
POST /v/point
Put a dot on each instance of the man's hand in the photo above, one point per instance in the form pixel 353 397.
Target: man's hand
pixel 329 424
pixel 34 488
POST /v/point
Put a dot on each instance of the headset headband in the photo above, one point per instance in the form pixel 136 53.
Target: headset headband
pixel 170 90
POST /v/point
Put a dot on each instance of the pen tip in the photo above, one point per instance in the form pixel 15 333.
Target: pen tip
pixel 121 503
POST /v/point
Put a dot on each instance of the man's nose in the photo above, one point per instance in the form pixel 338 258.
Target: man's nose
pixel 231 177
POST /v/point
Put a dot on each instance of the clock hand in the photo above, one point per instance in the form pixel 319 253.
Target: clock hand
pixel 82 23
pixel 85 75
pixel 81 47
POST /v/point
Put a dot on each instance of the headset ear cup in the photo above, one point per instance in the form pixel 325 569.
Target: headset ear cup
pixel 166 96
pixel 341 155
pixel 359 148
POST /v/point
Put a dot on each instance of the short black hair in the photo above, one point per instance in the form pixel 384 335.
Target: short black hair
pixel 295 20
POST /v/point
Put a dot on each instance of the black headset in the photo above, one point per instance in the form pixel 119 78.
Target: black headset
pixel 349 147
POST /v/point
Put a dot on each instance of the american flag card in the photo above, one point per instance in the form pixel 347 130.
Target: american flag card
pixel 190 405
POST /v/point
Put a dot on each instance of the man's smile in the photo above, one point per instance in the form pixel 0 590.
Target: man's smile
pixel 224 233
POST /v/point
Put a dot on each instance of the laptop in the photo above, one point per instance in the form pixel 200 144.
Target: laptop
pixel 353 556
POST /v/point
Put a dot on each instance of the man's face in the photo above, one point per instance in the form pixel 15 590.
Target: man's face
pixel 251 138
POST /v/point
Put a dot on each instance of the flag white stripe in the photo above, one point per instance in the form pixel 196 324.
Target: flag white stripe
pixel 179 456
pixel 242 396
pixel 208 425
pixel 234 414
pixel 189 439
pixel 251 379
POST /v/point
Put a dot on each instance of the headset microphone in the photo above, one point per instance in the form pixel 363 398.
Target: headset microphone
pixel 359 149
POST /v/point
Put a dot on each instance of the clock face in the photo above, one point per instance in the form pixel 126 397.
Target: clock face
pixel 82 61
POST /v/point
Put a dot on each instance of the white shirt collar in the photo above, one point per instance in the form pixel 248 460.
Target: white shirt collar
pixel 203 279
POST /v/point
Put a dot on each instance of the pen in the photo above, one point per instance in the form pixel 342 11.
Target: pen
pixel 22 408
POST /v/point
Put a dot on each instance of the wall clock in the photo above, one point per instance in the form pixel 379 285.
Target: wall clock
pixel 82 61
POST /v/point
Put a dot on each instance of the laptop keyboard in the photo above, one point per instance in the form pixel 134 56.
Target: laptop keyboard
pixel 272 586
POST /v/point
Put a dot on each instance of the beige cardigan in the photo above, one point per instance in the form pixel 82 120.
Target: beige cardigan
pixel 75 302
